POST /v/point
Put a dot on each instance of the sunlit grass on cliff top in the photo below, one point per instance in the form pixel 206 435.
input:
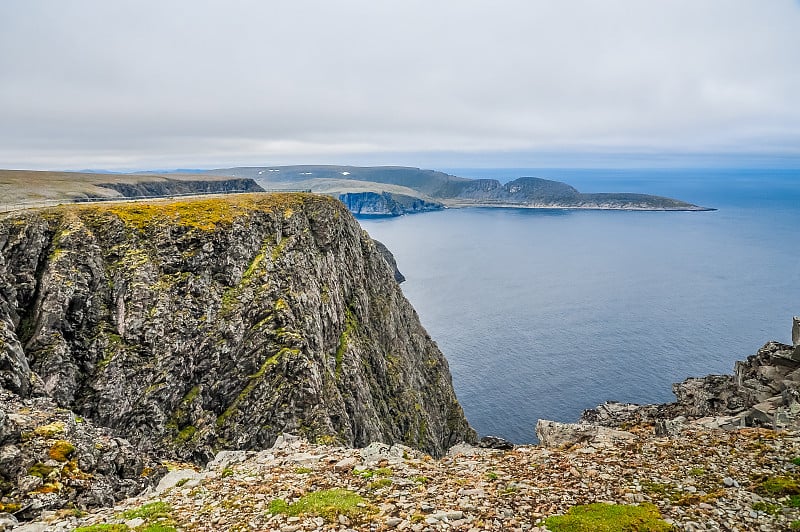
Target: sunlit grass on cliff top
pixel 203 214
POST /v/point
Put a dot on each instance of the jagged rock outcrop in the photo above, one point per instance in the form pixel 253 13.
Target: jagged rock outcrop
pixel 194 326
pixel 764 391
pixel 50 459
pixel 386 204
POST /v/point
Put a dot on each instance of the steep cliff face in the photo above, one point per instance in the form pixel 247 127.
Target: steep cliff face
pixel 386 204
pixel 170 187
pixel 220 323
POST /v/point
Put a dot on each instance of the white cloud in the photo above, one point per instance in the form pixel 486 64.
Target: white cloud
pixel 136 84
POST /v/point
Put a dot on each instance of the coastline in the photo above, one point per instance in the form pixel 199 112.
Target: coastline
pixel 459 205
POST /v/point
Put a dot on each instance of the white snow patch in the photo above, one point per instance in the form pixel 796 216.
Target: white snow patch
pixel 345 173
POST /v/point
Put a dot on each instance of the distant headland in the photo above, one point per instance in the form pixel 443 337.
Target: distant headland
pixel 377 190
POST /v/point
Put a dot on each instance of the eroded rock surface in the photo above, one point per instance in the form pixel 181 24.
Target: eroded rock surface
pixel 51 459
pixel 200 325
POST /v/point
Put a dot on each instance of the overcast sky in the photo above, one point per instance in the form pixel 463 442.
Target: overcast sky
pixel 193 83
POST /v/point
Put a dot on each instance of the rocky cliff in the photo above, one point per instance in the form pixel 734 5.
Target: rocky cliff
pixel 386 204
pixel 194 326
pixel 176 187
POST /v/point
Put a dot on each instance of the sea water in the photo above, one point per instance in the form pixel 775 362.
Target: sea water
pixel 545 313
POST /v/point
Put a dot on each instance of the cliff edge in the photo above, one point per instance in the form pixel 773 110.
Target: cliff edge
pixel 199 325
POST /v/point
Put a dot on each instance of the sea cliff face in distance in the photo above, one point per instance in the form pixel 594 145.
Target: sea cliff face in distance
pixel 367 191
pixel 390 190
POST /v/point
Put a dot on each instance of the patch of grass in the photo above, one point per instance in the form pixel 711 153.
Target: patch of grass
pixel 664 491
pixel 380 483
pixel 778 486
pixel 794 525
pixel 697 472
pixel 602 517
pixel 102 527
pixel 421 479
pixel 149 511
pixel 303 470
pixel 364 473
pixel 491 475
pixel 384 471
pixel 328 504
pixel 767 507
pixel 156 527
pixel 227 472
pixel 796 460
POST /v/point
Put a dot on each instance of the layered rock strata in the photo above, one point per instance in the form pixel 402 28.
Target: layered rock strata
pixel 194 326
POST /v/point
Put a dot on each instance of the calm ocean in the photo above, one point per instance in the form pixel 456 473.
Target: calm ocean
pixel 544 313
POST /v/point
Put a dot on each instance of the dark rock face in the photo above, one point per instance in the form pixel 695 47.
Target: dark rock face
pixel 172 187
pixel 194 326
pixel 386 204
pixel 495 442
pixel 763 391
pixel 389 258
pixel 50 459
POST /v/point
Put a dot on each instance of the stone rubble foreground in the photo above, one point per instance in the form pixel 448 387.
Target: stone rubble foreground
pixel 700 479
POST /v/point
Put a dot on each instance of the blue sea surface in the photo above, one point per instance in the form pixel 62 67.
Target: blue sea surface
pixel 544 313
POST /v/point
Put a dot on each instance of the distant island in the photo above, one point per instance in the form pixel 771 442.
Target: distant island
pixel 366 191
pixel 394 190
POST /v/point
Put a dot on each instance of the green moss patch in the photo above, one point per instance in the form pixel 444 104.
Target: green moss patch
pixel 149 511
pixel 40 470
pixel 350 327
pixel 61 451
pixel 601 517
pixel 778 486
pixel 328 504
pixel 102 527
pixel 51 430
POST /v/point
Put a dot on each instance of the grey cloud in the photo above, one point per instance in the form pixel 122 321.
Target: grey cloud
pixel 136 84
